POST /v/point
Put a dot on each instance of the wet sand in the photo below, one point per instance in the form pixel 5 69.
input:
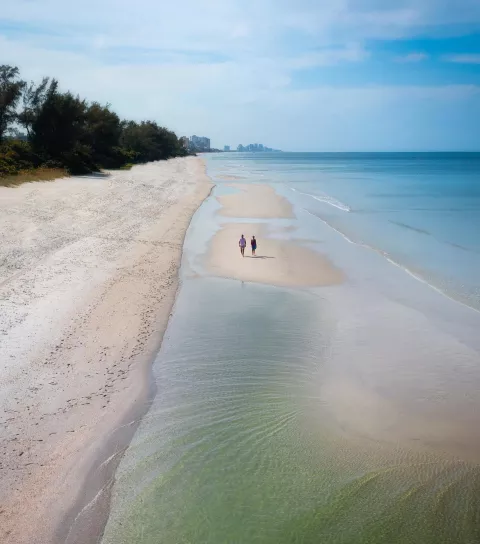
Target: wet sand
pixel 299 414
pixel 88 276
pixel 255 201
pixel 228 177
pixel 277 262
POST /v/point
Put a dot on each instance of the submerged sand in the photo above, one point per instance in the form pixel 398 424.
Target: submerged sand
pixel 277 262
pixel 255 200
pixel 88 276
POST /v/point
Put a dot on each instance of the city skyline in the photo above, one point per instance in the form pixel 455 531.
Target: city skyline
pixel 201 144
pixel 196 143
pixel 255 148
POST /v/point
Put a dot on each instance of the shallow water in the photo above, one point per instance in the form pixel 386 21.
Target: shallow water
pixel 344 414
pixel 240 444
pixel 419 210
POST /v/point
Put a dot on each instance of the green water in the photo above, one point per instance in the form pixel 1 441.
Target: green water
pixel 240 447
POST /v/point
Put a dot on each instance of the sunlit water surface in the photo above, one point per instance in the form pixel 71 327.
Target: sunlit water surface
pixel 344 414
pixel 241 446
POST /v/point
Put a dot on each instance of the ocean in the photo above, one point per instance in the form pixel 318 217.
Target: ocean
pixel 420 210
pixel 341 414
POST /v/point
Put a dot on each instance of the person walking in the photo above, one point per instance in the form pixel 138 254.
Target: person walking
pixel 242 244
pixel 253 243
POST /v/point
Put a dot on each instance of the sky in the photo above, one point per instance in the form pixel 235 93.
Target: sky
pixel 303 75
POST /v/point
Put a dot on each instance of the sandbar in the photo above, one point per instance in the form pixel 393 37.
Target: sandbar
pixel 278 261
pixel 255 201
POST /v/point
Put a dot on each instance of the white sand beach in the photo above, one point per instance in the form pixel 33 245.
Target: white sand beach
pixel 88 276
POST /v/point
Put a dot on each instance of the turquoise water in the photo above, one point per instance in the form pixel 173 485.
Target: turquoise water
pixel 422 210
pixel 344 414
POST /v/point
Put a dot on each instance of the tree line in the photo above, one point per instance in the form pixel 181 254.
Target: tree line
pixel 41 126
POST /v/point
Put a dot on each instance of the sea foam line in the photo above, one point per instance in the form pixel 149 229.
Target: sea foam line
pixel 385 255
pixel 326 200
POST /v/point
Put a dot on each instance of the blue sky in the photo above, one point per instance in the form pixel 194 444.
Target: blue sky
pixel 306 75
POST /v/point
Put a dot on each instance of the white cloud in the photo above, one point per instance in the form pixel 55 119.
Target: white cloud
pixel 412 57
pixel 329 57
pixel 236 24
pixel 229 68
pixel 463 58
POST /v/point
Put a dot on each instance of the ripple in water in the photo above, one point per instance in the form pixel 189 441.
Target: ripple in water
pixel 238 446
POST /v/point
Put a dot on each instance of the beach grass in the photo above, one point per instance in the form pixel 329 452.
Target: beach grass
pixel 34 174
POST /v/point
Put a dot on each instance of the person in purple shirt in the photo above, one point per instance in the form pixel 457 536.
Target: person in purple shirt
pixel 242 244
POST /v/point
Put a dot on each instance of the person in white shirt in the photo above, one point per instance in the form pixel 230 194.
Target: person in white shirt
pixel 242 244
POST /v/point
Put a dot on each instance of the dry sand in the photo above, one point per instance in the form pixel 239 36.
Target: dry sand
pixel 277 262
pixel 88 276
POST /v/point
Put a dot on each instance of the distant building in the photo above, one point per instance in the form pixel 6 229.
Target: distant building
pixel 185 142
pixel 226 148
pixel 240 148
pixel 256 148
pixel 199 143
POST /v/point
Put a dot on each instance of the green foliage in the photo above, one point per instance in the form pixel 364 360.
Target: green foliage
pixel 104 129
pixel 66 131
pixel 59 131
pixel 149 141
pixel 15 156
pixel 7 166
pixel 34 98
pixel 11 88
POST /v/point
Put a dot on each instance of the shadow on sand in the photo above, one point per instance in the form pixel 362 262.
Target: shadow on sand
pixel 258 257
pixel 94 175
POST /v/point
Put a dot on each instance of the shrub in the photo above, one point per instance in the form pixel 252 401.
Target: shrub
pixel 17 155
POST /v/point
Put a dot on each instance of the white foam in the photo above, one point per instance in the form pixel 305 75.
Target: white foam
pixel 327 200
pixel 395 263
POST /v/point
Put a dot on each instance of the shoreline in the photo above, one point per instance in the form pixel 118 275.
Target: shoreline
pixel 278 262
pixel 284 371
pixel 111 322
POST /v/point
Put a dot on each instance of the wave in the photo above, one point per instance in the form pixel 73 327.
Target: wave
pixel 391 260
pixel 349 240
pixel 327 200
